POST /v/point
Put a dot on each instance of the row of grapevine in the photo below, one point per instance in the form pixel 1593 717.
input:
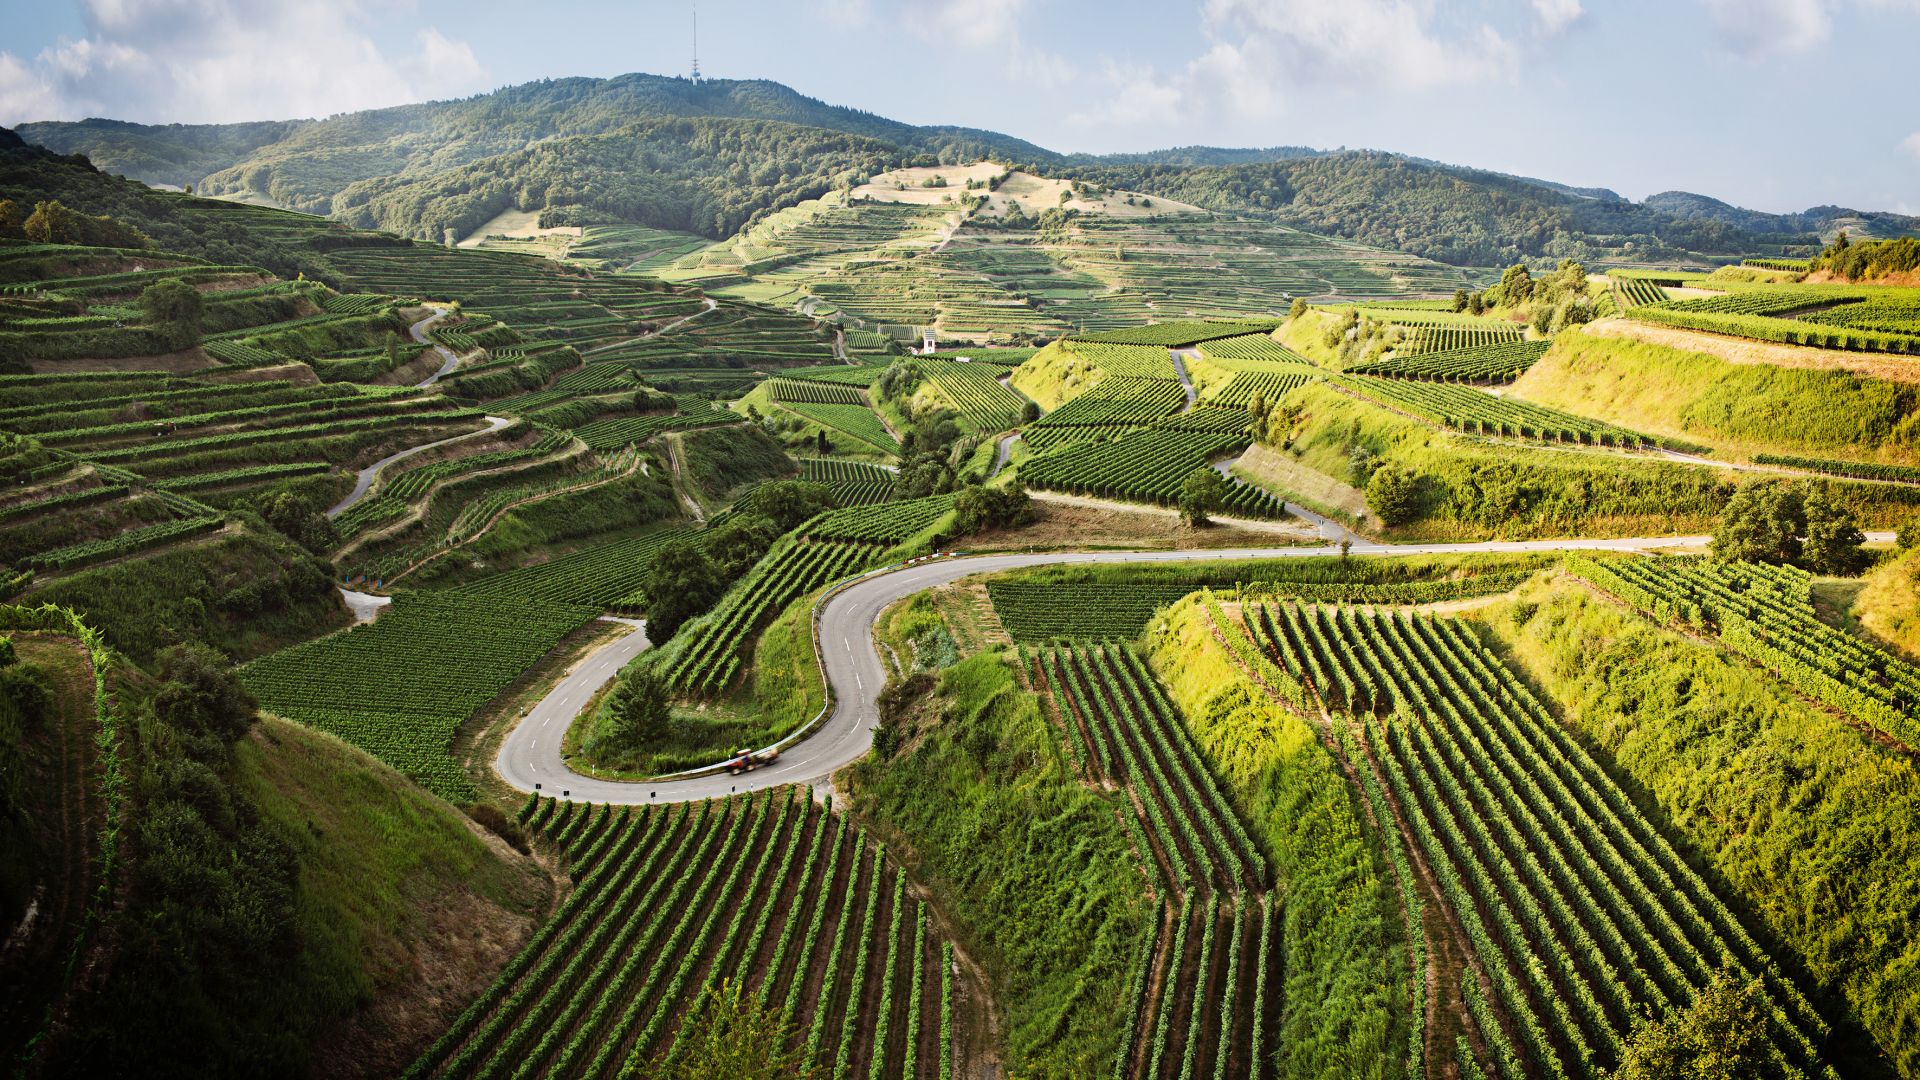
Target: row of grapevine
pixel 1764 315
pixel 1116 403
pixel 852 483
pixel 1254 352
pixel 1431 339
pixel 603 575
pixel 888 524
pixel 769 893
pixel 855 421
pixel 1126 361
pixel 976 391
pixel 1582 915
pixel 1269 386
pixel 1175 334
pixel 1465 409
pixel 1858 470
pixel 130 542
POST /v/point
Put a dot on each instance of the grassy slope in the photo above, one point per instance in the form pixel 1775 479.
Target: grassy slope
pixel 246 593
pixel 1744 408
pixel 1475 489
pixel 800 434
pixel 1888 603
pixel 1307 335
pixel 1808 826
pixel 1053 376
pixel 1346 992
pixel 1032 869
pixel 404 910
pixel 723 460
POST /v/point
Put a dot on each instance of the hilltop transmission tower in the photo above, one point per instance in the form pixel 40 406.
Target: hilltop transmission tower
pixel 696 41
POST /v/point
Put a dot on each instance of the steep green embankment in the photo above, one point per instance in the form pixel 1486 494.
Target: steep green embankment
pixel 1347 994
pixel 291 905
pixel 1032 868
pixel 1743 408
pixel 1808 826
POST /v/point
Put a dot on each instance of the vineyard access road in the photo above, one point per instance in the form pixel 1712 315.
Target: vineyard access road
pixel 531 751
pixel 448 359
pixel 364 482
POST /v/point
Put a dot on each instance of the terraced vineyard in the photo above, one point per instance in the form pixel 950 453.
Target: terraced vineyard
pixel 976 393
pixel 1820 316
pixel 400 687
pixel 1766 614
pixel 1501 362
pixel 1218 975
pixel 853 483
pixel 707 653
pixel 770 893
pixel 1473 411
pixel 1579 914
pixel 1442 337
pixel 892 523
pixel 1116 404
pixel 855 421
pixel 814 392
pixel 1148 466
pixel 1035 613
pixel 601 576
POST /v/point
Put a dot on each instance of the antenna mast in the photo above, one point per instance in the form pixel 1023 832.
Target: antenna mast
pixel 696 41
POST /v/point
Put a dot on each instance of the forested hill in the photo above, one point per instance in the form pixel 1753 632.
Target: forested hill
pixel 1468 217
pixel 672 153
pixel 704 176
pixel 316 159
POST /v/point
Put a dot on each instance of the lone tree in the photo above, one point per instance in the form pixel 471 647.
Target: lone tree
pixel 1722 1033
pixel 729 1035
pixel 682 583
pixel 1833 537
pixel 637 713
pixel 173 308
pixel 977 508
pixel 1763 522
pixel 1201 495
pixel 1393 494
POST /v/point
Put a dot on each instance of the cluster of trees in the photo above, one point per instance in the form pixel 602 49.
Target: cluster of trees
pixel 26 708
pixel 1772 522
pixel 140 216
pixel 215 887
pixel 173 308
pixel 688 576
pixel 50 222
pixel 1868 259
pixel 1549 304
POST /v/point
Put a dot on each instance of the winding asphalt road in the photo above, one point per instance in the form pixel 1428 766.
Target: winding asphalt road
pixel 531 752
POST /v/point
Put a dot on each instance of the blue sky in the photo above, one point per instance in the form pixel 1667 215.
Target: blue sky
pixel 1773 104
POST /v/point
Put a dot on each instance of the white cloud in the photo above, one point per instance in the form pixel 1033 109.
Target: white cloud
pixel 1911 144
pixel 212 61
pixel 1764 28
pixel 1556 15
pixel 1261 51
pixel 971 23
